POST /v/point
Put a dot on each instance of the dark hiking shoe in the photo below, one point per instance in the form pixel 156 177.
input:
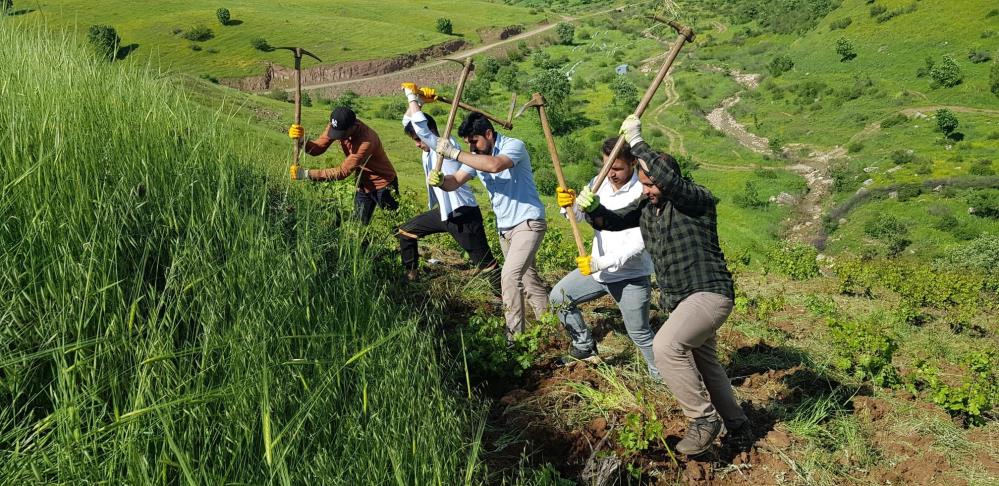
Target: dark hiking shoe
pixel 590 356
pixel 700 434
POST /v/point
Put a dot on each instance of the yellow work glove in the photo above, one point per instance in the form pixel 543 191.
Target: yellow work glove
pixel 587 200
pixel 428 95
pixel 299 173
pixel 296 131
pixel 565 197
pixel 583 264
pixel 435 178
pixel 412 92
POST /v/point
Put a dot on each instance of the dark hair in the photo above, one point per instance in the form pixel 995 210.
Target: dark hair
pixel 474 124
pixel 625 153
pixel 431 124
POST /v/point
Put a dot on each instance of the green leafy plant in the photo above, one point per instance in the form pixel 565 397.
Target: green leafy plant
pixel 864 349
pixel 844 48
pixel 796 260
pixel 198 33
pixel 260 44
pixel 104 40
pixel 780 65
pixel 565 32
pixel 970 397
pixel 444 26
pixel 223 15
pixel 946 74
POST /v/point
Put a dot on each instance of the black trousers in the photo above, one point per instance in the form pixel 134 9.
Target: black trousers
pixel 465 225
pixel 365 202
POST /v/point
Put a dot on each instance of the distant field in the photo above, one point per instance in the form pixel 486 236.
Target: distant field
pixel 335 31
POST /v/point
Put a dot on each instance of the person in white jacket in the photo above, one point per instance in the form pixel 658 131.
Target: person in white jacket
pixel 619 267
pixel 454 212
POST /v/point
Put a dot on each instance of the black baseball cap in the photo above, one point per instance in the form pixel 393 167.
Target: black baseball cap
pixel 341 120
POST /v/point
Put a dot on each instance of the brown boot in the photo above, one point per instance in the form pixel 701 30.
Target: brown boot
pixel 700 434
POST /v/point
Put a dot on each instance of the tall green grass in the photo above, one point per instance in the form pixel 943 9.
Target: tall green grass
pixel 170 313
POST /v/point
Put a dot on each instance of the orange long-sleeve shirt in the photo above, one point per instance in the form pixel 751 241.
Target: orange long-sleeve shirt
pixel 363 145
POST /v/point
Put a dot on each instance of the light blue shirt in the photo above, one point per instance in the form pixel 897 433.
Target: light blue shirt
pixel 446 201
pixel 511 191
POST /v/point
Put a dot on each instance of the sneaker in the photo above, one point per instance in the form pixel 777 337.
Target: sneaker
pixel 700 434
pixel 590 355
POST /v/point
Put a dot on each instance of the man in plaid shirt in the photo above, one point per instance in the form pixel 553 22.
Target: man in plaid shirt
pixel 679 225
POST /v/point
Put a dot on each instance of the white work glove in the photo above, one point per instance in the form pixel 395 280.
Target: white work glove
pixel 631 128
pixel 445 148
pixel 412 92
pixel 587 201
pixel 590 264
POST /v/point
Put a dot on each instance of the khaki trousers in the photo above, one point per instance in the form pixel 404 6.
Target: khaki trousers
pixel 520 245
pixel 686 358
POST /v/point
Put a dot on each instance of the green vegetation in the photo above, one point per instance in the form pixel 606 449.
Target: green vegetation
pixel 444 26
pixel 104 40
pixel 223 15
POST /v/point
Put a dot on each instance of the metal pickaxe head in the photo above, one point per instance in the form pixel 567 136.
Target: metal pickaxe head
pixel 677 26
pixel 537 100
pixel 299 52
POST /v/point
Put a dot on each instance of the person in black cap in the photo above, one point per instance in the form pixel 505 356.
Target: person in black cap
pixel 376 180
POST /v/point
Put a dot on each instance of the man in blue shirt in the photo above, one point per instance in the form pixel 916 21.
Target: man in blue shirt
pixel 504 166
pixel 456 212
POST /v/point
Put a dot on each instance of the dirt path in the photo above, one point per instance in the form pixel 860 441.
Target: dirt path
pixel 958 109
pixel 420 71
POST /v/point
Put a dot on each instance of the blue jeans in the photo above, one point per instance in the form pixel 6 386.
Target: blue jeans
pixel 632 297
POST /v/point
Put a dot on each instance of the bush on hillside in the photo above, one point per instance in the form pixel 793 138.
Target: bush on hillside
pixel 889 230
pixel 780 65
pixel 994 79
pixel 750 197
pixel 104 40
pixel 444 26
pixel 845 49
pixel 896 119
pixel 946 74
pixel 223 15
pixel 841 23
pixel 985 203
pixel 902 157
pixel 198 33
pixel 486 70
pixel 946 121
pixel 556 88
pixel 509 77
pixel 796 260
pixel 565 32
pixel 979 56
pixel 625 92
pixel 278 94
pixel 260 44
pixel 348 99
pixel 982 167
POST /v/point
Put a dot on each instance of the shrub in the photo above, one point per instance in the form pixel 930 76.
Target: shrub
pixel 509 77
pixel 260 44
pixel 845 49
pixel 946 121
pixel 223 15
pixel 565 32
pixel 972 397
pixel 278 94
pixel 982 167
pixel 994 79
pixel 896 119
pixel 985 203
pixel 979 56
pixel 855 146
pixel 878 10
pixel 796 260
pixel 486 70
pixel 195 47
pixel 104 39
pixel 946 74
pixel 889 230
pixel 198 33
pixel 348 99
pixel 776 145
pixel 625 92
pixel 444 26
pixel 903 156
pixel 780 65
pixel 750 197
pixel 864 350
pixel 841 23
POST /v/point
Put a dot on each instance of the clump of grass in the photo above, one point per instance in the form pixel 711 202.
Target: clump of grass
pixel 172 312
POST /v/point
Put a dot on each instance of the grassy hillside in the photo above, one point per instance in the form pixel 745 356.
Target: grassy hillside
pixel 336 32
pixel 173 313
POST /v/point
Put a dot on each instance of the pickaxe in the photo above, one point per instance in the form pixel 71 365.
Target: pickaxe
pixel 454 107
pixel 507 124
pixel 299 142
pixel 684 34
pixel 539 101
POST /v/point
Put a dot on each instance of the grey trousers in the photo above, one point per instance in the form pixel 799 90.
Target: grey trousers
pixel 632 297
pixel 520 245
pixel 687 359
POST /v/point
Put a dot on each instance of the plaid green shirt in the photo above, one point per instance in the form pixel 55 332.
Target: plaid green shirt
pixel 681 232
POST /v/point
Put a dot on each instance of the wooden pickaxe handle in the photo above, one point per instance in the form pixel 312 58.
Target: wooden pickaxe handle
pixel 507 124
pixel 454 110
pixel 553 151
pixel 684 35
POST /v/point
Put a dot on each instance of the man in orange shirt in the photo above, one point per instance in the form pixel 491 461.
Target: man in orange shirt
pixel 376 179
